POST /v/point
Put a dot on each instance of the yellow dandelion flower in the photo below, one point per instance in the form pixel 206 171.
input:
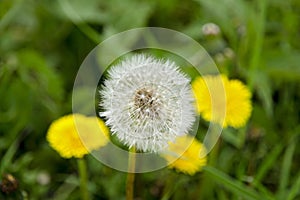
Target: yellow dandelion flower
pixel 63 135
pixel 190 150
pixel 237 100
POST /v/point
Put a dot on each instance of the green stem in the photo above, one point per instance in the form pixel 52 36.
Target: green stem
pixel 130 175
pixel 83 179
pixel 169 187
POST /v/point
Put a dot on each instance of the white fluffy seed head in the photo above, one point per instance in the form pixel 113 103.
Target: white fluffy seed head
pixel 147 102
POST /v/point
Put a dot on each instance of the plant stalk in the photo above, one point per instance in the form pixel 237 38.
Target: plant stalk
pixel 130 175
pixel 83 179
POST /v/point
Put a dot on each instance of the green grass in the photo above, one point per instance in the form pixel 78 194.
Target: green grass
pixel 43 43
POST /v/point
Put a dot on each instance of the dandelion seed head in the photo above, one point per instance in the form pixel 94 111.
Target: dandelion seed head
pixel 147 102
pixel 211 29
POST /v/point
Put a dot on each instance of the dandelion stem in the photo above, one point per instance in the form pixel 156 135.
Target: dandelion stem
pixel 83 179
pixel 130 175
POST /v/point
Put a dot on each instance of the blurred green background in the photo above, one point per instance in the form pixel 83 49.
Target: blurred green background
pixel 43 43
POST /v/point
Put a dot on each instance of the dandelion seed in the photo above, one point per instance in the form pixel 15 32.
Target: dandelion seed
pixel 147 102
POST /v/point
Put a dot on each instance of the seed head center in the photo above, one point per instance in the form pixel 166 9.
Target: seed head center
pixel 147 103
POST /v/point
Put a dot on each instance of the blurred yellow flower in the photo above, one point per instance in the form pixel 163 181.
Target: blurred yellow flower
pixel 189 151
pixel 63 135
pixel 237 99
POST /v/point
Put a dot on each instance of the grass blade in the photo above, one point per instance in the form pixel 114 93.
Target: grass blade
pixel 268 163
pixel 285 170
pixel 8 156
pixel 235 186
pixel 294 191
